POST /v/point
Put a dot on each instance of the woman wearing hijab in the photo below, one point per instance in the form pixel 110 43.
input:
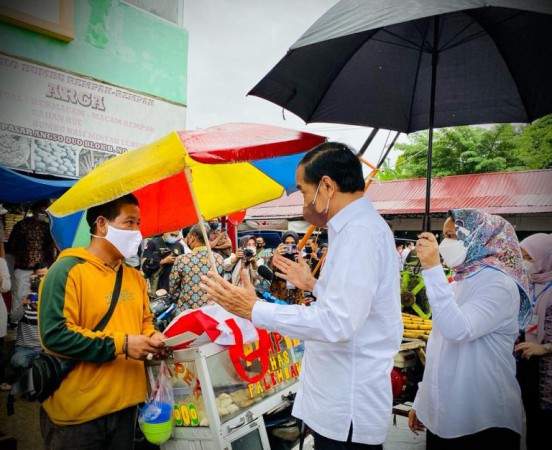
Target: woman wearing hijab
pixel 469 396
pixel 281 288
pixel 535 367
pixel 244 257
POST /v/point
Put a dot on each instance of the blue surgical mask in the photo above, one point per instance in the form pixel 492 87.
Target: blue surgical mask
pixel 172 240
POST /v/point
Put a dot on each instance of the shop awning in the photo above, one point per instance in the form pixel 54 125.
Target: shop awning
pixel 18 188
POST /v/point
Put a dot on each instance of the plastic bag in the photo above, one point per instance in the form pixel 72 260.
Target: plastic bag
pixel 156 417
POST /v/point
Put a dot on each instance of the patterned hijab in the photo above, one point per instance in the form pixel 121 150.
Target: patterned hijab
pixel 539 247
pixel 491 242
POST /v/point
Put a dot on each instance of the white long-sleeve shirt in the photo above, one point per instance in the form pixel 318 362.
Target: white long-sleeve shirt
pixel 352 333
pixel 469 381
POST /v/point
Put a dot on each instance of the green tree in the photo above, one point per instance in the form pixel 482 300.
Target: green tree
pixel 535 144
pixel 470 149
pixel 386 172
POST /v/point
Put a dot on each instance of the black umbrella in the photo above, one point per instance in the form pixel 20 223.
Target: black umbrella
pixel 409 65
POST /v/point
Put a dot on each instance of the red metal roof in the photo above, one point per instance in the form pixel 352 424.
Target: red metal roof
pixel 523 192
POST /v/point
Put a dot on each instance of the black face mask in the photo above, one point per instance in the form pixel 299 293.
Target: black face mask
pixel 213 226
pixel 260 245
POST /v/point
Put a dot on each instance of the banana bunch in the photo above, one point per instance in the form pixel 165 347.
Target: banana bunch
pixel 415 327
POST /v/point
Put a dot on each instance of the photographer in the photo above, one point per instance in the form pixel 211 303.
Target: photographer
pixel 280 288
pixel 159 257
pixel 27 343
pixel 310 255
pixel 245 256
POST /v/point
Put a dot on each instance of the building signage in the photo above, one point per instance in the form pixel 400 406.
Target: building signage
pixel 58 123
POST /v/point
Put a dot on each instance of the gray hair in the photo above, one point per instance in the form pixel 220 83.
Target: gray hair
pixel 195 231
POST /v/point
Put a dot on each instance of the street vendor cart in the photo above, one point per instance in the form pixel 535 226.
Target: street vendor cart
pixel 215 407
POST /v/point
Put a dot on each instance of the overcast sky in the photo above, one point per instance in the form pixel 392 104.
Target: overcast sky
pixel 233 44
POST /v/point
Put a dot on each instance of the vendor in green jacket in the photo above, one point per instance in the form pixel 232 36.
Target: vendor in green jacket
pixel 96 404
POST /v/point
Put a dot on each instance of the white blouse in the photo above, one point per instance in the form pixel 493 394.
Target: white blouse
pixel 469 382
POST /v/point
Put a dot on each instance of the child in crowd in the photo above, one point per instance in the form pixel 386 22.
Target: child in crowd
pixel 27 343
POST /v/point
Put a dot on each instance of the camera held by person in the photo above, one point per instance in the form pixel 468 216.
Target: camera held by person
pixel 33 287
pixel 290 251
pixel 248 255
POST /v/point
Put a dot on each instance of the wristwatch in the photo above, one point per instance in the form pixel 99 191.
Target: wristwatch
pixel 548 348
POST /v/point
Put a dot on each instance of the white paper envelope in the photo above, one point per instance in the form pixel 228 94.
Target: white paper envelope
pixel 180 339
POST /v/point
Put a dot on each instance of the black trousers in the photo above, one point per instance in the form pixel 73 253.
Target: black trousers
pixel 537 420
pixel 113 431
pixel 491 438
pixel 324 443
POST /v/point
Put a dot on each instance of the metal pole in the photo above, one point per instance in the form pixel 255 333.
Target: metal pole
pixel 384 157
pixel 434 62
pixel 367 142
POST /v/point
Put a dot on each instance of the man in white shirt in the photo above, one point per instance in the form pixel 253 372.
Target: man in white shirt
pixel 404 255
pixel 184 239
pixel 355 329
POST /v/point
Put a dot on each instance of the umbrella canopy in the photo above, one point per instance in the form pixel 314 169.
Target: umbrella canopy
pixel 419 65
pixel 209 167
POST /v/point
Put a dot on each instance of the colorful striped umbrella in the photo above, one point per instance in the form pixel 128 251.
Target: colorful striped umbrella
pixel 186 177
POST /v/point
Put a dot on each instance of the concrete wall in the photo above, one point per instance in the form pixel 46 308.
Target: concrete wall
pixel 115 43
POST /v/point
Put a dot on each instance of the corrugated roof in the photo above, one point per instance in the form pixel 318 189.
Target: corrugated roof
pixel 524 192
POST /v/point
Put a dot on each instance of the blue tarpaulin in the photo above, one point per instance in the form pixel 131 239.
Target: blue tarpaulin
pixel 17 188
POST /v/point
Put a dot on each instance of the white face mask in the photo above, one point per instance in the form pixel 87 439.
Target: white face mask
pixel 453 252
pixel 126 241
pixel 529 266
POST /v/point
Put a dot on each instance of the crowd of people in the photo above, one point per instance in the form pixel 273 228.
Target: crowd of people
pixel 488 358
pixel 174 261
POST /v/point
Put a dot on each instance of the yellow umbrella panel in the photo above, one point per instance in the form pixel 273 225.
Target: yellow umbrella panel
pixel 156 174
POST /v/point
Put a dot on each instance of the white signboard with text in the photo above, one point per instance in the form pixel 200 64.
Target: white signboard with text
pixel 58 123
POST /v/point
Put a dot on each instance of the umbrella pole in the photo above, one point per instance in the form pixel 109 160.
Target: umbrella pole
pixel 367 142
pixel 434 61
pixel 384 157
pixel 201 222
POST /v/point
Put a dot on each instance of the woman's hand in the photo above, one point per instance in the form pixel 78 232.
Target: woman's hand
pixel 413 423
pixel 280 249
pixel 529 349
pixel 298 273
pixel 239 300
pixel 427 250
